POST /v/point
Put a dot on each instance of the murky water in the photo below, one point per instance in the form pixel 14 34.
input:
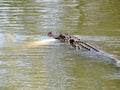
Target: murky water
pixel 28 64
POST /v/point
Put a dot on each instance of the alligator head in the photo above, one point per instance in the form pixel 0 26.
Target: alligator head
pixel 54 35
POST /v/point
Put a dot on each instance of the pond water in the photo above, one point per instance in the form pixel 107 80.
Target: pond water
pixel 28 64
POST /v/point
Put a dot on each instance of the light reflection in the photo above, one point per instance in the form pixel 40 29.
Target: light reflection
pixel 40 43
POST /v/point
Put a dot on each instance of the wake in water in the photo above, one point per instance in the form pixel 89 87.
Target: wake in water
pixel 108 57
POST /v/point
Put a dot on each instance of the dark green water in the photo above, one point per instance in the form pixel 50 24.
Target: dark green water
pixel 58 67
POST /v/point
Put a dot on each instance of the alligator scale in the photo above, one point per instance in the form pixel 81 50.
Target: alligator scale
pixel 77 43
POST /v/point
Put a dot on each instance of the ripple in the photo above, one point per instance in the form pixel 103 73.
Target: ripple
pixel 57 67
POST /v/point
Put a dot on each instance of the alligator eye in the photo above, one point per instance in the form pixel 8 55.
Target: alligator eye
pixel 62 36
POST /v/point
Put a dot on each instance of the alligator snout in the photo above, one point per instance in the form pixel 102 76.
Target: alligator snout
pixel 54 35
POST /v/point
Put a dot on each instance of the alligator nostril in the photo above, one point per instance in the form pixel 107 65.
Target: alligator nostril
pixel 49 33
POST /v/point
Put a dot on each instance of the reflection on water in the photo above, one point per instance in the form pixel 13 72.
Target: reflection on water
pixel 43 42
pixel 28 62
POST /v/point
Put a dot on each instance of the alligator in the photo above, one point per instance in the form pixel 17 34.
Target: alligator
pixel 78 44
pixel 73 41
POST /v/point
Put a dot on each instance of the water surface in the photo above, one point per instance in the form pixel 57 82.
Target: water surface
pixel 57 66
